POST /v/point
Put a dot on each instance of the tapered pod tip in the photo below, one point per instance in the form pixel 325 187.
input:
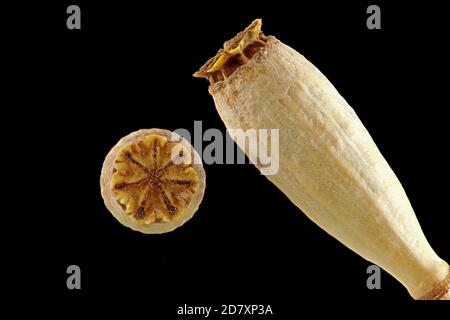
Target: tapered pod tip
pixel 441 290
pixel 235 52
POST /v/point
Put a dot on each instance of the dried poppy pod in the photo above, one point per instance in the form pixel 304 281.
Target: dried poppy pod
pixel 329 165
pixel 152 181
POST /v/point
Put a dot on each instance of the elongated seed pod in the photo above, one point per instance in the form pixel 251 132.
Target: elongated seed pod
pixel 329 166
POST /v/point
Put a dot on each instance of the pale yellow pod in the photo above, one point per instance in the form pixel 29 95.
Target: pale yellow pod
pixel 152 181
pixel 329 166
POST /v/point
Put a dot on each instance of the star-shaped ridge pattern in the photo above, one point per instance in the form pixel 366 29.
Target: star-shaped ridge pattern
pixel 149 184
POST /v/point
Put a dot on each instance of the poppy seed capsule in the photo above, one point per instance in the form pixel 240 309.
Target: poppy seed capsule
pixel 152 181
pixel 329 166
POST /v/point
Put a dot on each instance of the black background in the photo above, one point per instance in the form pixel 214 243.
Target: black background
pixel 130 67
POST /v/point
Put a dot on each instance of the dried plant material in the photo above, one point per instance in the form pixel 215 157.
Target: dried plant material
pixel 150 181
pixel 329 165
